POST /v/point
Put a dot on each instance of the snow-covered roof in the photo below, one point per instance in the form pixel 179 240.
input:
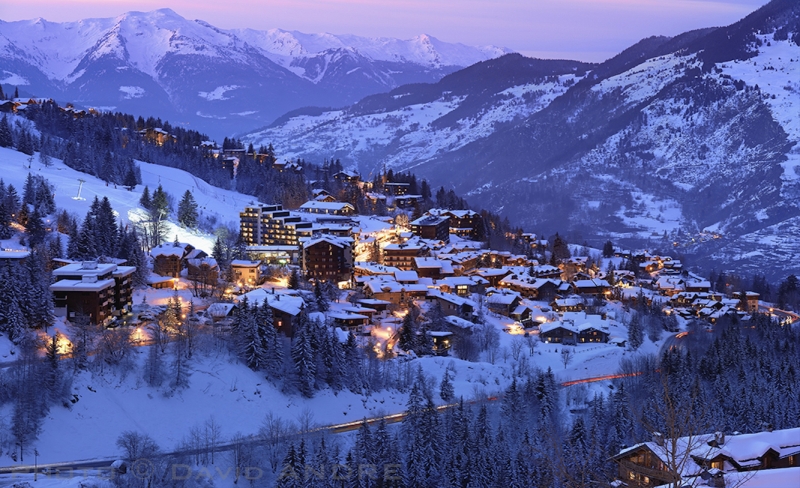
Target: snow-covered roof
pixel 341 242
pixel 286 303
pixel 407 276
pixel 82 285
pixel 459 322
pixel 243 263
pixel 330 206
pixel 429 220
pixel 169 249
pixel 502 298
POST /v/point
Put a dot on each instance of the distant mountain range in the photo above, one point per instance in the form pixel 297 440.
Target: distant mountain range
pixel 690 143
pixel 216 81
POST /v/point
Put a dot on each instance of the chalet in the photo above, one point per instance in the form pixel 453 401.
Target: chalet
pixel 325 198
pixel 748 301
pixel 364 268
pixel 375 304
pixel 347 176
pixel 408 201
pixel 351 322
pixel 220 311
pixel 465 223
pixel 547 271
pixel 595 287
pixel 427 267
pixel 246 271
pixel 402 255
pixel 396 189
pixel 393 292
pixel 287 166
pixel 328 208
pixel 157 136
pixel 168 259
pixel 99 291
pixel 432 227
pixel 702 286
pixel 285 307
pixel 230 164
pixel 442 341
pixel 529 287
pixel 462 286
pixel 493 275
pixel 568 304
pixel 328 258
pixel 503 303
pixel 714 458
pixel 566 332
pixel 204 270
pixel 451 304
pixel 406 277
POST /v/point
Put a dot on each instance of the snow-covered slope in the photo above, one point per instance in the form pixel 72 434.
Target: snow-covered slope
pixel 215 203
pixel 158 55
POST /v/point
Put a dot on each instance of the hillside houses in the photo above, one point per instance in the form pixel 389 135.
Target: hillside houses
pixel 716 459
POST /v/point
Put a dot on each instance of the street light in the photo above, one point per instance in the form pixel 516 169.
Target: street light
pixel 35 464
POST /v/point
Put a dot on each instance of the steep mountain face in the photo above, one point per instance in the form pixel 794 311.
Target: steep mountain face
pixel 217 81
pixel 690 143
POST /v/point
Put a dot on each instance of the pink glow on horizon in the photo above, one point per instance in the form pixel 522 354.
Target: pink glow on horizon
pixel 590 30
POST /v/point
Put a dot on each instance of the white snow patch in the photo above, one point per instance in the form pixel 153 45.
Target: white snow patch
pixel 14 79
pixel 130 92
pixel 218 93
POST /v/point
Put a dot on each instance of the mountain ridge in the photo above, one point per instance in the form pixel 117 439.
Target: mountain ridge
pixel 146 56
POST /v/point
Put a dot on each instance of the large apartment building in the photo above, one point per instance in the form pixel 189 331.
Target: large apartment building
pixel 271 225
pixel 100 292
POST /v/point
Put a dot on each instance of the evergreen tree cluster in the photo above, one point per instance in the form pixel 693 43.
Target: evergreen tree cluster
pixel 10 206
pixel 32 385
pixel 25 298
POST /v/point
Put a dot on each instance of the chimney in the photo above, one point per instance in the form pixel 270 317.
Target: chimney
pixel 719 438
pixel 658 438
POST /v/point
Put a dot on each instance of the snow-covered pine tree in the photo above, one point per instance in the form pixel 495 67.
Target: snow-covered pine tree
pixel 635 332
pixel 303 357
pixel 187 211
pixel 446 390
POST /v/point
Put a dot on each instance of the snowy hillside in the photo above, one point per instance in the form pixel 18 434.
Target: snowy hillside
pixel 222 205
pixel 147 56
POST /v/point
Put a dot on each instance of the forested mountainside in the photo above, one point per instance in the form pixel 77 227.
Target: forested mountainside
pixel 216 81
pixel 689 142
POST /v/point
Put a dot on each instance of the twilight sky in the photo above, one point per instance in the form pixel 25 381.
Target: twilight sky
pixel 589 30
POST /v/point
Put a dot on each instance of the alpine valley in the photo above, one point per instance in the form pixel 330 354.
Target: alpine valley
pixel 688 142
pixel 216 81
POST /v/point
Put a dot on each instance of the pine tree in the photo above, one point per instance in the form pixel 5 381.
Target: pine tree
pixel 408 334
pixel 446 390
pixel 5 222
pixel 294 280
pixel 303 358
pixel 253 346
pixel 187 211
pixel 635 332
pixel 6 139
pixel 322 302
pixel 130 181
pixel 154 367
pixel 146 201
pixel 51 378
